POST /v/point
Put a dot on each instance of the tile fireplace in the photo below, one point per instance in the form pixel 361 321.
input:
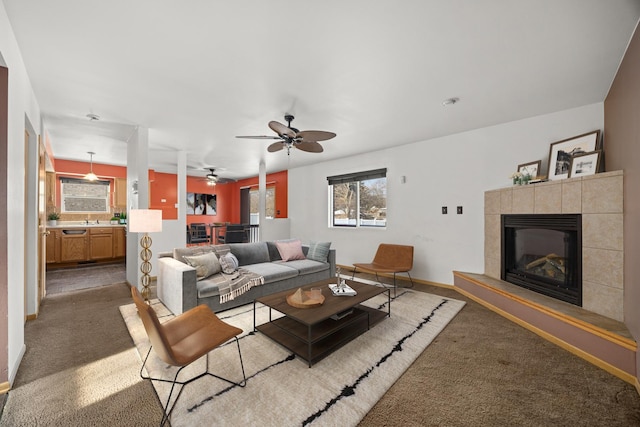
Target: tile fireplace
pixel 598 200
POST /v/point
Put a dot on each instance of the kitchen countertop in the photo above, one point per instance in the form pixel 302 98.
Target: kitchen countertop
pixel 81 224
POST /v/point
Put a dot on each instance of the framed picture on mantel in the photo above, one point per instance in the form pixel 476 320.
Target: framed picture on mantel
pixel 532 169
pixel 562 152
pixel 585 164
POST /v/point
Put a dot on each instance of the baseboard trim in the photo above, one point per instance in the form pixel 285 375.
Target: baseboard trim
pixel 32 316
pixel 349 268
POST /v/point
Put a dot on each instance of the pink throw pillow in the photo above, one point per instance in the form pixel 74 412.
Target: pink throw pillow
pixel 290 250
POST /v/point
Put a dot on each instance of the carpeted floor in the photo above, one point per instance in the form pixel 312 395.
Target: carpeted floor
pixel 81 368
pixel 344 386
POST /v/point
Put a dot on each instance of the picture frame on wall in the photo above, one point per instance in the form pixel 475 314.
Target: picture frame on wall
pixel 200 205
pixel 532 169
pixel 212 205
pixel 585 164
pixel 562 152
pixel 191 203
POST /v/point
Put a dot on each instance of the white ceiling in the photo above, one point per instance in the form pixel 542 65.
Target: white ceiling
pixel 198 73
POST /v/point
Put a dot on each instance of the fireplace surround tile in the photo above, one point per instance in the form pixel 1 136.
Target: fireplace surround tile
pixel 572 196
pixel 492 202
pixel 602 195
pixel 547 198
pixel 599 198
pixel 506 201
pixel 603 300
pixel 603 267
pixel 603 231
pixel 523 200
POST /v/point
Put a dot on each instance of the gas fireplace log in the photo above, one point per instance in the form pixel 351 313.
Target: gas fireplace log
pixel 541 261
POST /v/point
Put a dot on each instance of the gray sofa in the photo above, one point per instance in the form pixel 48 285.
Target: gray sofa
pixel 179 290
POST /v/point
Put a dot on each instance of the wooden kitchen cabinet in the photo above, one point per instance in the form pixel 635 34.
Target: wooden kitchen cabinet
pixel 85 245
pixel 119 242
pixel 74 245
pixel 50 183
pixel 121 194
pixel 100 243
pixel 53 246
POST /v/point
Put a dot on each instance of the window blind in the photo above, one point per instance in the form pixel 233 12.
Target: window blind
pixel 357 176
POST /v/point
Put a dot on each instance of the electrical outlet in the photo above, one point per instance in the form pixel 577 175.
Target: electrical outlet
pixel 459 210
pixel 444 210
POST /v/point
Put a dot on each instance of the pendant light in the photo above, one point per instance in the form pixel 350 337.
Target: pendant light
pixel 91 176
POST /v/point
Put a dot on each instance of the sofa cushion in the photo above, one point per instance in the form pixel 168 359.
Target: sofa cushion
pixel 205 264
pixel 306 266
pixel 290 250
pixel 318 251
pixel 228 263
pixel 250 253
pixel 274 255
pixel 209 287
pixel 272 271
pixel 179 253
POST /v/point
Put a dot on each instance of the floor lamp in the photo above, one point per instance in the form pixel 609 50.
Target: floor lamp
pixel 145 221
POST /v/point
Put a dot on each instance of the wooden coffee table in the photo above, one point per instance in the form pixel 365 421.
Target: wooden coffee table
pixel 312 333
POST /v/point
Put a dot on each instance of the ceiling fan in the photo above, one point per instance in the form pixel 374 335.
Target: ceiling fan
pixel 212 178
pixel 306 140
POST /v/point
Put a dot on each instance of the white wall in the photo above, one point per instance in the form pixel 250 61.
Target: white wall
pixel 450 171
pixel 22 107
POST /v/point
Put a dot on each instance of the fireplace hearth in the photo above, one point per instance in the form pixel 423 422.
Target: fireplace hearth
pixel 543 253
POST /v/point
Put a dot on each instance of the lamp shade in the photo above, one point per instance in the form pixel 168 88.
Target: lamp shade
pixel 145 220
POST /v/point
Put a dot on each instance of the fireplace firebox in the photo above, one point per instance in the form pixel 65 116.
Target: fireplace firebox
pixel 543 253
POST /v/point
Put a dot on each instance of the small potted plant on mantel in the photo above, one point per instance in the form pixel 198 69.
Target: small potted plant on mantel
pixel 52 219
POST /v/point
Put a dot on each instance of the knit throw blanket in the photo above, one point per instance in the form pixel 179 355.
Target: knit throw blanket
pixel 237 283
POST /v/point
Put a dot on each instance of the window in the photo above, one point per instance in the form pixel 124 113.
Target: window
pixel 270 204
pixel 359 199
pixel 79 195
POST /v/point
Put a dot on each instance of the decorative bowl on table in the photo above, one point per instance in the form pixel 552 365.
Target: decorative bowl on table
pixel 306 299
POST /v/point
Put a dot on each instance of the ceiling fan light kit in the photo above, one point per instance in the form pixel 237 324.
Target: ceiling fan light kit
pixel 288 137
pixel 212 178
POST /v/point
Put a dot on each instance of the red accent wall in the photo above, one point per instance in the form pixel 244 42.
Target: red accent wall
pixel 278 179
pixel 223 195
pixel 163 193
pixel 74 169
pixel 164 186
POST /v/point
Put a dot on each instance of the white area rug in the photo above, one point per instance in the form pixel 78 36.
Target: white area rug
pixel 281 389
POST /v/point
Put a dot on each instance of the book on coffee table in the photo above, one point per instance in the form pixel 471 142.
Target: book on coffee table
pixel 344 291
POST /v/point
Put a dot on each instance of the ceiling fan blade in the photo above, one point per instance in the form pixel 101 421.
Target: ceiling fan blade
pixel 281 129
pixel 225 180
pixel 315 135
pixel 276 146
pixel 309 146
pixel 259 137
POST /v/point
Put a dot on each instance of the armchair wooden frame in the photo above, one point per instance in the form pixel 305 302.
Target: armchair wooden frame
pixel 183 340
pixel 389 259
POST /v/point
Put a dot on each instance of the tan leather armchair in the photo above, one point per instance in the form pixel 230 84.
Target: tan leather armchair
pixel 389 259
pixel 183 340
